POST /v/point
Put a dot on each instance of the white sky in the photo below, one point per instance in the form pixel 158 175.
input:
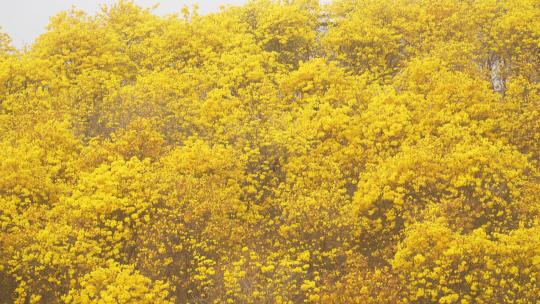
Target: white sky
pixel 24 20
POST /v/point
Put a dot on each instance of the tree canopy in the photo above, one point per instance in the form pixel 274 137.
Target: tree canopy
pixel 283 151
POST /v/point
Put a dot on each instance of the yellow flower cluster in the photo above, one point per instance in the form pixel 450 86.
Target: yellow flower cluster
pixel 374 151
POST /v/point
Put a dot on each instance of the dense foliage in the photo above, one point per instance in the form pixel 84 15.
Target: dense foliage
pixel 363 151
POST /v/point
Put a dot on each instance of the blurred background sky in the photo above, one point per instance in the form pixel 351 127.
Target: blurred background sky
pixel 24 20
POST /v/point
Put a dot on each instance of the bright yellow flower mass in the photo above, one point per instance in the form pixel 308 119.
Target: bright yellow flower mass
pixel 362 151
